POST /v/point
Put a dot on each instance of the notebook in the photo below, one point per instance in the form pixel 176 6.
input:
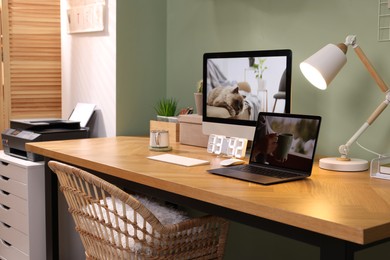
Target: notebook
pixel 283 149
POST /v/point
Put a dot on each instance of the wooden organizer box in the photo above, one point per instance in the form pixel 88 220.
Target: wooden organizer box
pixel 191 130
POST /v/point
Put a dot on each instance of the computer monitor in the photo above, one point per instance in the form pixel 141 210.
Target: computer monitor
pixel 239 85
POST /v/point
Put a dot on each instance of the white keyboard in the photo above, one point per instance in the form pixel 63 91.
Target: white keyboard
pixel 177 159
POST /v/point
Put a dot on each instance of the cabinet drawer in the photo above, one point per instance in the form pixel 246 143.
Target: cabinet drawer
pixel 9 252
pixel 14 219
pixel 14 202
pixel 14 187
pixel 14 237
pixel 13 172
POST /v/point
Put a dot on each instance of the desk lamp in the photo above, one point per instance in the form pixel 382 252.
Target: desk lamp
pixel 320 69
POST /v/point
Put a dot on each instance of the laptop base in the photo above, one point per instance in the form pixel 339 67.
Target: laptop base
pixel 251 177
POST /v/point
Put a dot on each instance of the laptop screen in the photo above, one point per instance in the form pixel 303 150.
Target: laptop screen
pixel 285 141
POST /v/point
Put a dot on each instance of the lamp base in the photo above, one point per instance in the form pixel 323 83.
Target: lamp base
pixel 334 164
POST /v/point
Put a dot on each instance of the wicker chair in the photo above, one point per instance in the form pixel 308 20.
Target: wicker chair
pixel 114 225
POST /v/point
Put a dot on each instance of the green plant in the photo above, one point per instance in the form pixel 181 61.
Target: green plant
pixel 166 107
pixel 260 68
pixel 199 86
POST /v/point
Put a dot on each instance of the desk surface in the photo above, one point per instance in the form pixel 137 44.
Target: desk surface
pixel 347 205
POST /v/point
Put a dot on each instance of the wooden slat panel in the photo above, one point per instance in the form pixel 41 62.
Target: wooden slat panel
pixel 33 58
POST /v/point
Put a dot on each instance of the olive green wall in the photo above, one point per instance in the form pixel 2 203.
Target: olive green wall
pixel 141 63
pixel 195 27
pixel 160 44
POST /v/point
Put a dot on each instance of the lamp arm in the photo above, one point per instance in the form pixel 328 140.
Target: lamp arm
pixel 351 41
pixel 379 81
pixel 344 149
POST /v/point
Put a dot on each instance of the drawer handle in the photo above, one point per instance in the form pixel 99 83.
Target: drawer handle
pixel 5 225
pixel 5 207
pixel 4 163
pixel 4 177
pixel 6 243
pixel 5 192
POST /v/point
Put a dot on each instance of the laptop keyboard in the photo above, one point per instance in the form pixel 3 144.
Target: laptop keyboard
pixel 269 172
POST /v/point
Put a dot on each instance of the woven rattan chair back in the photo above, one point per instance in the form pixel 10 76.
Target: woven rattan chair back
pixel 114 225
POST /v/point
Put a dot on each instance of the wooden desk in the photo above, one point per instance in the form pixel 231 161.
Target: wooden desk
pixel 341 212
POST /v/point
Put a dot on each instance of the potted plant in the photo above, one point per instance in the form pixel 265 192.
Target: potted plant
pixel 199 97
pixel 166 109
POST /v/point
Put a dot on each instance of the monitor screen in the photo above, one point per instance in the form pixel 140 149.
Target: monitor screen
pixel 239 85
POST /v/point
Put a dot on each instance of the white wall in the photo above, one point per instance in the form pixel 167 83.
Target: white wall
pixel 88 76
pixel 89 70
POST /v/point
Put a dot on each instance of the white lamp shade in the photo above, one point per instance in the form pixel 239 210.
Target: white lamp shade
pixel 322 67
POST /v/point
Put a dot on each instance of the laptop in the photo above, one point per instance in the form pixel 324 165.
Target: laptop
pixel 283 149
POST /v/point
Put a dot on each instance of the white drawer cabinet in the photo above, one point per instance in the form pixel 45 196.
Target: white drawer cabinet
pixel 22 209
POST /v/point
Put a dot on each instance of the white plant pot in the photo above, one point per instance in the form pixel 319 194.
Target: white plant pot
pixel 172 119
pixel 260 84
